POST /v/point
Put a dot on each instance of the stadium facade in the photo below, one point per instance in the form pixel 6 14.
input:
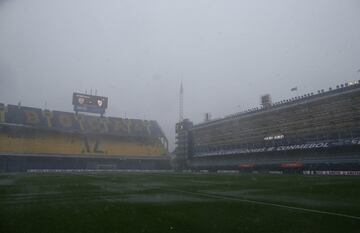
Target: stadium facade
pixel 314 131
pixel 53 139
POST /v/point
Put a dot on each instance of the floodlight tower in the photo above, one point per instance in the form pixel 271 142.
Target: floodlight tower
pixel 181 103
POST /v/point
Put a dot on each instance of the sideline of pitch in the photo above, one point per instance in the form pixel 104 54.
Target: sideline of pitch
pixel 224 197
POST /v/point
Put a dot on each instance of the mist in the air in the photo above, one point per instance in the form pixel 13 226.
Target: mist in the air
pixel 227 53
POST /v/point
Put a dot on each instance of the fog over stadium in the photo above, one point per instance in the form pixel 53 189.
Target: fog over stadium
pixel 227 53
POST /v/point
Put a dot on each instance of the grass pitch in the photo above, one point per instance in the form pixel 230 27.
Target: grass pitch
pixel 170 202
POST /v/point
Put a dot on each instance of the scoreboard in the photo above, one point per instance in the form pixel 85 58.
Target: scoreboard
pixel 89 103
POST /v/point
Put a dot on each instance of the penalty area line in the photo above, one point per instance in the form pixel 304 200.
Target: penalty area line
pixel 215 196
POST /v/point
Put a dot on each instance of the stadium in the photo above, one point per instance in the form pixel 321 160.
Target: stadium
pixel 32 138
pixel 88 173
pixel 315 131
pixel 101 106
pixel 75 172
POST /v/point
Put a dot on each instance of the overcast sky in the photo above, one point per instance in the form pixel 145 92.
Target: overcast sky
pixel 227 52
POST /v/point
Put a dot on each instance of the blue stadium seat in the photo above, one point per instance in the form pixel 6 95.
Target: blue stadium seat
pixel 64 121
pixel 25 116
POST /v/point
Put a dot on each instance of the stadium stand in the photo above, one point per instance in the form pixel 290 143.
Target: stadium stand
pixel 64 121
pixel 312 122
pixel 26 130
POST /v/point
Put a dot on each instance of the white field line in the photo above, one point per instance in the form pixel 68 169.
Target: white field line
pixel 266 204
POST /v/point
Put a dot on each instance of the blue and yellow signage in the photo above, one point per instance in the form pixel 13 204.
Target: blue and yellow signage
pixel 69 122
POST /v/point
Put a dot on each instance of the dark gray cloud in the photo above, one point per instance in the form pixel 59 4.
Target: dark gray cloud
pixel 228 53
pixel 4 1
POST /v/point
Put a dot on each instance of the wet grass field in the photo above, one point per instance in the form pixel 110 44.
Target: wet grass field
pixel 171 202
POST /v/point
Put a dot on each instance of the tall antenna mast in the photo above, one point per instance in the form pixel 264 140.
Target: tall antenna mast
pixel 181 103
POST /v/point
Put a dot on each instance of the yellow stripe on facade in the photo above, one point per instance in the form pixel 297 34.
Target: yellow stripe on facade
pixel 61 143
